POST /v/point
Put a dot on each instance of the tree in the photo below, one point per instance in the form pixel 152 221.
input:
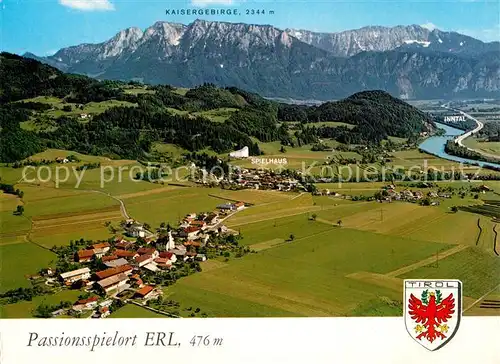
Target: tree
pixel 19 210
pixel 454 209
pixel 314 216
pixel 67 108
pixel 292 237
pixel 339 223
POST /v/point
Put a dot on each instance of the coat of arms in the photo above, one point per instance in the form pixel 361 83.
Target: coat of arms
pixel 432 311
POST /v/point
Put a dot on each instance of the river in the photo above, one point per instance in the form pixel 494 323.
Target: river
pixel 435 145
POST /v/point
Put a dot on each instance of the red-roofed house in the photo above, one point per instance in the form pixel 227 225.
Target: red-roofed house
pixel 109 258
pixel 126 254
pixel 84 256
pixel 169 255
pixel 144 292
pixel 125 269
pixel 199 224
pixel 143 260
pixel 189 232
pixel 196 244
pixel 148 251
pixel 85 304
pixel 124 245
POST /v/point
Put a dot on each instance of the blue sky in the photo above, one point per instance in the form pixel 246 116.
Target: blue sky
pixel 44 26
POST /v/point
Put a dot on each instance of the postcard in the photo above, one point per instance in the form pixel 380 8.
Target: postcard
pixel 249 181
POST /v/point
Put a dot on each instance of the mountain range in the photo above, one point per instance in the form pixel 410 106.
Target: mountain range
pixel 410 62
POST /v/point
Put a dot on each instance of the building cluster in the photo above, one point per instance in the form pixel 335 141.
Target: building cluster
pixel 261 179
pixel 389 193
pixel 127 262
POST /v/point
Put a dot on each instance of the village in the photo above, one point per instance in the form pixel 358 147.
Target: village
pixel 258 179
pixel 129 271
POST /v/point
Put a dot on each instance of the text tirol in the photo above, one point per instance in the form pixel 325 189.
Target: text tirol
pixel 431 284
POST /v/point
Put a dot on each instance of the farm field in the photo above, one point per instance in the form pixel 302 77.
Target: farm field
pixel 89 108
pixel 133 311
pixel 478 271
pixel 281 229
pixel 284 277
pixel 20 258
pixel 483 146
pixel 24 309
pixel 325 270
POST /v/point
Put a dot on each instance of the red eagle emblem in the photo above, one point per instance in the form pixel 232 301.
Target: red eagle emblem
pixel 431 313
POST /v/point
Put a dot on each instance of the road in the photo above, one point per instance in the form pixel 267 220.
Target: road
pixel 459 140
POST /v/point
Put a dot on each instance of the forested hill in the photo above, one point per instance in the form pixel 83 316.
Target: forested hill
pixel 136 116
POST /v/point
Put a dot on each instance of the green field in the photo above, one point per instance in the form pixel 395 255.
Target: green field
pixel 483 146
pixel 478 271
pixel 133 311
pixel 18 259
pixel 306 277
pixel 24 309
pixel 91 108
pixel 326 270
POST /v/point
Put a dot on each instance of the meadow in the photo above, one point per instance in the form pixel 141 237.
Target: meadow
pixel 133 311
pixel 306 276
pixel 20 259
pixel 25 309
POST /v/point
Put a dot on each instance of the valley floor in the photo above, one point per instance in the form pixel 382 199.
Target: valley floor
pixel 352 268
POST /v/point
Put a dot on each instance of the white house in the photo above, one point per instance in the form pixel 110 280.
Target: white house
pixel 113 282
pixel 136 230
pixel 242 153
pixel 75 275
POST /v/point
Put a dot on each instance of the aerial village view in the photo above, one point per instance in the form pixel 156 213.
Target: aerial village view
pixel 195 168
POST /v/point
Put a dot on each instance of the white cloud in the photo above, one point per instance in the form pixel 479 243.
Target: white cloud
pixel 203 3
pixel 429 26
pixel 88 5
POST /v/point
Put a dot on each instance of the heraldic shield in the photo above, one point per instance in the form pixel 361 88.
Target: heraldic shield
pixel 432 310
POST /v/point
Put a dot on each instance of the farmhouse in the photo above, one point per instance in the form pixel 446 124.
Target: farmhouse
pixel 136 230
pixel 143 260
pixel 126 254
pixel 116 263
pixel 75 275
pixel 62 160
pixel 226 207
pixel 201 257
pixel 108 258
pixel 85 304
pixel 189 232
pixel 115 282
pixel 101 249
pixel 163 263
pixel 151 267
pixel 168 255
pixel 148 251
pixel 239 206
pixel 124 245
pixel 199 224
pixel 103 312
pixel 145 292
pixel 84 256
pixel 124 269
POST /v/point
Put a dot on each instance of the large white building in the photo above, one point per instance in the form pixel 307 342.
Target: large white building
pixel 75 275
pixel 242 153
